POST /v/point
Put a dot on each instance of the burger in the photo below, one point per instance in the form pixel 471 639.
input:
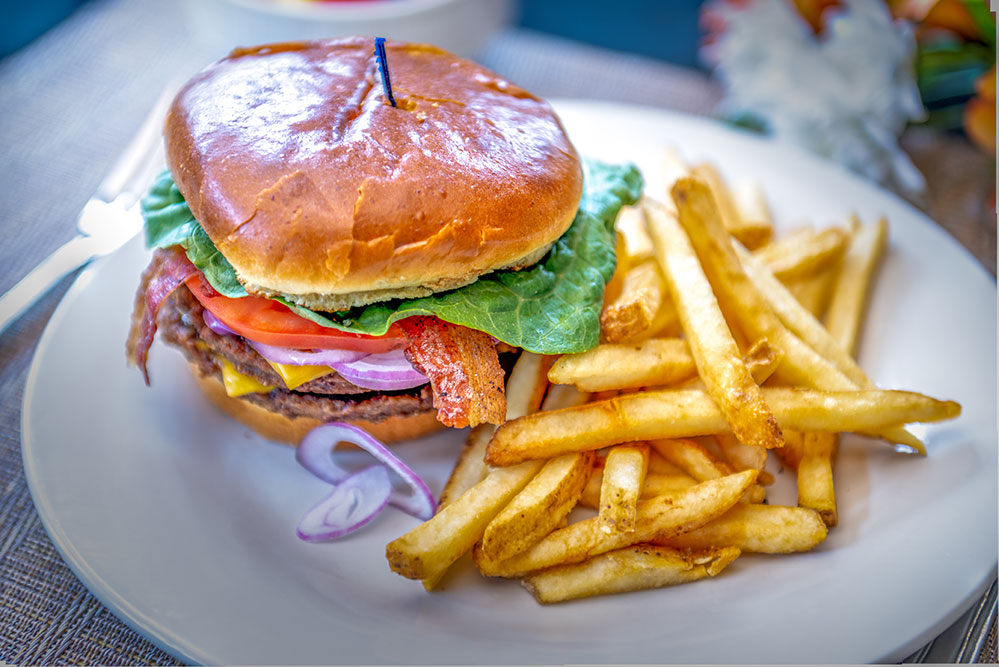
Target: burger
pixel 343 237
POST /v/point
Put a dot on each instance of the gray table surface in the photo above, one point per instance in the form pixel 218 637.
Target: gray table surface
pixel 69 104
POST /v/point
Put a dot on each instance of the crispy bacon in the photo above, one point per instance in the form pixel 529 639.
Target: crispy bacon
pixel 168 271
pixel 463 368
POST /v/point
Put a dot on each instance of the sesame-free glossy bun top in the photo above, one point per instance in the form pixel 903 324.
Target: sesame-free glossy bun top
pixel 313 186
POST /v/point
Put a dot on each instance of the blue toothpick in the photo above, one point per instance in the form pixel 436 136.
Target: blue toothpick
pixel 383 68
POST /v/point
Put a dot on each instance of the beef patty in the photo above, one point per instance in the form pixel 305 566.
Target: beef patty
pixel 328 398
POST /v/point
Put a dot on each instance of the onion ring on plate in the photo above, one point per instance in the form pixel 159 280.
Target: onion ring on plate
pixel 315 454
pixel 353 503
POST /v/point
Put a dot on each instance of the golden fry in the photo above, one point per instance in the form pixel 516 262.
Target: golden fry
pixel 769 529
pixel 634 310
pixel 847 305
pixel 623 476
pixel 754 212
pixel 688 413
pixel 539 507
pixel 751 233
pixel 719 362
pixel 804 252
pixel 630 569
pixel 815 475
pixel 657 361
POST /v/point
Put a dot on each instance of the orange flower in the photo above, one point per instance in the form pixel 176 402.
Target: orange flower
pixel 980 112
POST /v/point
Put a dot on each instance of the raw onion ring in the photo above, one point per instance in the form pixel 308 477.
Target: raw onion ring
pixel 388 371
pixel 293 357
pixel 353 503
pixel 315 454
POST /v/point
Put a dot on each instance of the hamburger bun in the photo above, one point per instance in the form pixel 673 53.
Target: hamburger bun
pixel 315 188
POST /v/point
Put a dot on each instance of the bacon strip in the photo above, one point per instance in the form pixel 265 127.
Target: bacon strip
pixel 168 271
pixel 463 368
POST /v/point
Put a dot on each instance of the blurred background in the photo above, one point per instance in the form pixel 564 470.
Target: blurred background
pixel 900 91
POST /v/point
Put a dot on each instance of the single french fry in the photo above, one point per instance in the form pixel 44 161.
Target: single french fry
pixel 804 252
pixel 630 569
pixel 740 456
pixel 769 529
pixel 660 466
pixel 636 246
pixel 688 413
pixel 539 507
pixel 743 302
pixel 847 305
pixel 634 310
pixel 762 360
pixel 815 475
pixel 694 459
pixel 754 212
pixel 719 362
pixel 470 468
pixel 790 454
pixel 623 476
pixel 613 286
pixel 813 292
pixel 751 233
pixel 655 484
pixel 657 517
pixel 656 361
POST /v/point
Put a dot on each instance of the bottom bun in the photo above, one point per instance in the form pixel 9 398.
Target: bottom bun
pixel 278 427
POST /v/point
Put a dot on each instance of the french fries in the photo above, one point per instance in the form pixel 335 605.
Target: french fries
pixel 719 362
pixel 768 529
pixel 660 516
pixel 843 318
pixel 714 361
pixel 624 474
pixel 690 413
pixel 804 253
pixel 629 569
pixel 634 310
pixel 657 361
pixel 539 507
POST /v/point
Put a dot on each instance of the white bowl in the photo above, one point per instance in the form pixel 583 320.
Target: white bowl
pixel 460 26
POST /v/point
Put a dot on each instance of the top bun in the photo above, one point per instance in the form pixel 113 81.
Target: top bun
pixel 314 187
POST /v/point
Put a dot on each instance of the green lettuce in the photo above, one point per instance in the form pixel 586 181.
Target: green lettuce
pixel 552 307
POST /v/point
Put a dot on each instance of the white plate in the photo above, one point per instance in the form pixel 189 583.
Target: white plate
pixel 183 523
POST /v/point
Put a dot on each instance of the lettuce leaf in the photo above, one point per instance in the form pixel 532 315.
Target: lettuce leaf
pixel 552 307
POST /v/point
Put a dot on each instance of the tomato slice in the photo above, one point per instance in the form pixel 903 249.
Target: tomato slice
pixel 272 323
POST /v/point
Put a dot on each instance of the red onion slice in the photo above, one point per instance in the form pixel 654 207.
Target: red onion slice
pixel 387 371
pixel 215 324
pixel 293 357
pixel 316 454
pixel 353 503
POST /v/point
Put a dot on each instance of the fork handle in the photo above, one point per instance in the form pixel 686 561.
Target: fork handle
pixel 71 255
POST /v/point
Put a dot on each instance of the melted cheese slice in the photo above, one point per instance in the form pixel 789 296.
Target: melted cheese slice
pixel 237 384
pixel 295 376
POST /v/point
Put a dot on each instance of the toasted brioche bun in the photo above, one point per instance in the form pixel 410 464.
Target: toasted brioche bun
pixel 279 428
pixel 314 187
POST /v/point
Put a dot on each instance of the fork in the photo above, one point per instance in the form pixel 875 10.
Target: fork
pixel 108 220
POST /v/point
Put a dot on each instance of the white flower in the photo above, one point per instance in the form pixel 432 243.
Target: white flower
pixel 846 94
